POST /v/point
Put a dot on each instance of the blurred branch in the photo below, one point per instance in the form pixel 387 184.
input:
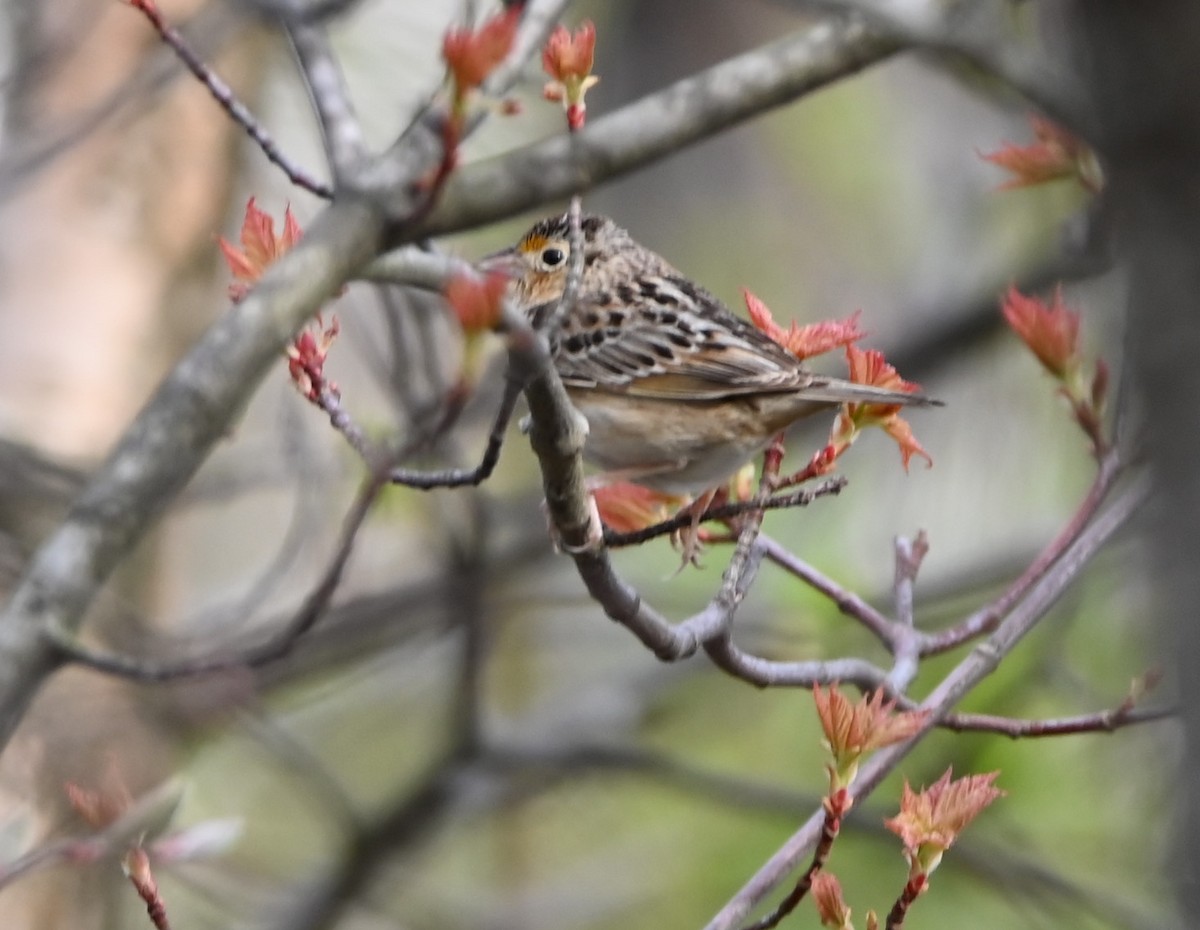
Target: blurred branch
pixel 273 649
pixel 295 760
pixel 982 33
pixel 1139 63
pixel 165 444
pixel 27 152
pixel 223 94
pixel 341 130
pixel 464 609
pixel 403 821
pixel 728 511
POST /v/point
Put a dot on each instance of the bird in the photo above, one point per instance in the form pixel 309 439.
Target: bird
pixel 678 392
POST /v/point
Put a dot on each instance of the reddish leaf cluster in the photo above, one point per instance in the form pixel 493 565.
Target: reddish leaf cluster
pixel 1056 155
pixel 831 905
pixel 472 54
pixel 870 367
pixel 804 341
pixel 567 58
pixel 260 247
pixel 866 367
pixel 853 729
pixel 1051 331
pixel 930 820
pixel 306 358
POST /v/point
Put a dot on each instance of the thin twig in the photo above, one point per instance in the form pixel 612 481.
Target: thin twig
pixel 460 477
pixel 849 603
pixel 727 511
pixel 912 890
pixel 829 834
pixel 1107 721
pixel 329 401
pixel 274 648
pixel 223 94
pixel 743 567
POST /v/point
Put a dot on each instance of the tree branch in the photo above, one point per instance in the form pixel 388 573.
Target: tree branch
pixel 223 94
pixel 341 131
pixel 656 125
pixel 982 660
pixel 166 443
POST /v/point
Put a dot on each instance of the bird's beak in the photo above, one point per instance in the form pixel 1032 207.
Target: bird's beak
pixel 506 261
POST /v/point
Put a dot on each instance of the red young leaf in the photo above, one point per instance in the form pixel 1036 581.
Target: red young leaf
pixel 804 341
pixel 1050 331
pixel 260 247
pixel 306 357
pixel 831 905
pixel 1057 154
pixel 870 367
pixel 930 820
pixel 472 54
pixel 567 58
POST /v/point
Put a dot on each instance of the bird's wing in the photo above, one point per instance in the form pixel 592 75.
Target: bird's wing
pixel 666 338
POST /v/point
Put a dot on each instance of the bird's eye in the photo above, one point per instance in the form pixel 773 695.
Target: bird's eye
pixel 552 257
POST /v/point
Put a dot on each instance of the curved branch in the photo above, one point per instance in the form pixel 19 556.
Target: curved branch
pixel 272 649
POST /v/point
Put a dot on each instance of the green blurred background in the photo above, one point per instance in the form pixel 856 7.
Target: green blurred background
pixel 466 741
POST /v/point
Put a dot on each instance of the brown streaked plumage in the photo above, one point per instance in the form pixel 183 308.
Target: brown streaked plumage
pixel 678 392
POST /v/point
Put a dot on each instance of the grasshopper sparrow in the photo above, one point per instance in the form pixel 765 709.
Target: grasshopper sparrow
pixel 678 393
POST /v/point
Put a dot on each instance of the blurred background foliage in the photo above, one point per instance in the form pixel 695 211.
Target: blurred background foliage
pixel 613 790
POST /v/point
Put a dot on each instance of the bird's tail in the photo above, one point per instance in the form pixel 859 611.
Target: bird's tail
pixel 838 391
